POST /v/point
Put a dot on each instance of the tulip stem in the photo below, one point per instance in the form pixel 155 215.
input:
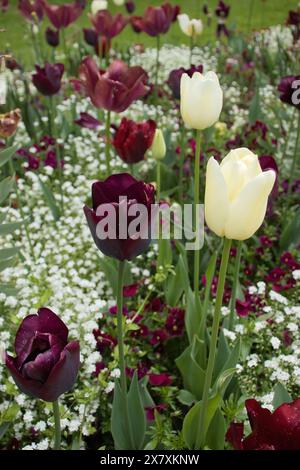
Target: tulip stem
pixel 250 14
pixel 57 428
pixel 191 49
pixel 235 284
pixel 156 71
pixel 196 202
pixel 107 143
pixel 293 167
pixel 213 344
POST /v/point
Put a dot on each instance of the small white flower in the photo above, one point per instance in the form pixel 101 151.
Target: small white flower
pixel 296 274
pixel 275 342
pixel 278 298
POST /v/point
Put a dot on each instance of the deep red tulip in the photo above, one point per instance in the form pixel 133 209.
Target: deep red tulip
pixel 115 89
pixel 61 16
pixel 92 38
pixel 132 140
pixel 32 11
pixel 87 121
pixel 130 6
pixel 156 20
pixel 52 37
pixel 175 78
pixel 294 18
pixel 108 25
pixel 222 10
pixel 48 79
pixel 46 365
pixel 267 162
pixel 270 431
pixel 289 89
pixel 123 246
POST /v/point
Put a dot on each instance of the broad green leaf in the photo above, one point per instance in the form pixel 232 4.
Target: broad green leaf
pixel 7 153
pixel 8 252
pixel 222 354
pixel 137 416
pixel 186 398
pixel 281 395
pixel 3 217
pixel 291 233
pixel 192 316
pixel 3 428
pixel 108 267
pixel 215 437
pixel 193 375
pixel 5 229
pixel 144 394
pixel 6 186
pixel 6 263
pixel 119 428
pixel 8 290
pixel 209 275
pixel 50 200
pixel 165 253
pixel 176 284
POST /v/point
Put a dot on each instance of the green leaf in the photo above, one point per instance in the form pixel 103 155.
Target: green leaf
pixel 8 252
pixel 118 422
pixel 222 354
pixel 6 263
pixel 3 428
pixel 109 268
pixel 8 290
pixel 144 394
pixel 5 229
pixel 137 416
pixel 291 233
pixel 3 217
pixel 176 284
pixel 7 153
pixel 50 200
pixel 165 253
pixel 192 316
pixel 229 361
pixel 281 395
pixel 186 398
pixel 188 363
pixel 215 437
pixel 6 186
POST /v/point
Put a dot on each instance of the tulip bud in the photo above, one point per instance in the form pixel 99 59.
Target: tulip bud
pixel 158 147
pixel 201 100
pixel 119 2
pixel 190 27
pixel 98 5
pixel 236 194
pixel 3 84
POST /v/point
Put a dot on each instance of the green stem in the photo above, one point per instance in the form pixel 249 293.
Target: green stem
pixel 158 181
pixel 235 283
pixel 196 202
pixel 213 343
pixel 191 49
pixel 156 70
pixel 293 167
pixel 107 143
pixel 57 150
pixel 181 165
pixel 57 429
pixel 120 336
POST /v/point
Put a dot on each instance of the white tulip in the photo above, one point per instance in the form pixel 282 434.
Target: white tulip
pixel 190 27
pixel 201 100
pixel 119 2
pixel 98 5
pixel 236 194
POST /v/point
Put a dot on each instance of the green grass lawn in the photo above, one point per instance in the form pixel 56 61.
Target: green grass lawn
pixel 265 13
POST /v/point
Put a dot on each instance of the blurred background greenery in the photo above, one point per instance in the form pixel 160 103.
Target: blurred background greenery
pixel 16 37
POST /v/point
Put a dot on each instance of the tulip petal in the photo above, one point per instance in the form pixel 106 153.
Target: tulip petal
pixel 30 387
pixel 248 210
pixel 24 337
pixel 63 375
pixel 216 198
pixel 49 322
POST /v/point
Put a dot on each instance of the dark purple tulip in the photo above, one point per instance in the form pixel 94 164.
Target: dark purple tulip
pixel 90 37
pixel 130 7
pixel 289 89
pixel 87 121
pixel 61 16
pixel 52 37
pixel 46 365
pixel 175 78
pixel 108 192
pixel 48 79
pixel 32 11
pixel 4 5
pixel 108 25
pixel 156 20
pixel 115 89
pixel 222 10
pixel 294 18
pixel 267 162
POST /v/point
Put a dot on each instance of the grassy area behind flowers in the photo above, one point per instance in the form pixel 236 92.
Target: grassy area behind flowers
pixel 264 14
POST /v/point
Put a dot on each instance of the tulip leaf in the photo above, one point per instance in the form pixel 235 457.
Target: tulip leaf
pixel 8 290
pixel 281 395
pixel 144 394
pixel 6 263
pixel 137 416
pixel 192 316
pixel 291 233
pixel 189 363
pixel 3 428
pixel 50 200
pixel 6 186
pixel 109 268
pixel 7 153
pixel 165 253
pixel 176 283
pixel 186 398
pixel 3 217
pixel 222 354
pixel 230 362
pixel 5 229
pixel 215 437
pixel 8 252
pixel 119 429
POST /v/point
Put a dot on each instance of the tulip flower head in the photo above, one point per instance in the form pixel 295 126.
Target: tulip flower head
pixel 201 100
pixel 52 37
pixel 115 201
pixel 289 89
pixel 47 79
pixel 174 78
pixel 158 147
pixel 190 27
pixel 108 25
pixel 115 89
pixel 156 20
pixel 236 194
pixel 46 365
pixel 132 140
pixel 61 16
pixel 32 11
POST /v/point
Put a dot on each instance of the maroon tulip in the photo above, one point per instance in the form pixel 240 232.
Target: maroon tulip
pixel 87 121
pixel 132 140
pixel 32 11
pixel 52 37
pixel 289 89
pixel 90 37
pixel 270 431
pixel 46 365
pixel 222 10
pixel 61 16
pixel 115 89
pixel 130 6
pixel 122 246
pixel 48 79
pixel 156 20
pixel 294 18
pixel 175 78
pixel 267 162
pixel 108 25
pixel 4 5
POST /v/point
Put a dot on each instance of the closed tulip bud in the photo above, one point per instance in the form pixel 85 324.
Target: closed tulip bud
pixel 158 147
pixel 236 194
pixel 190 27
pixel 201 100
